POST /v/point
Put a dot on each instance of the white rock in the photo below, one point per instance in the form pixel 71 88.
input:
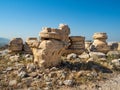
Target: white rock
pixel 9 69
pixel 22 74
pixel 14 58
pixel 84 56
pixel 71 56
pixel 97 54
pixel 13 82
pixel 116 62
pixel 68 82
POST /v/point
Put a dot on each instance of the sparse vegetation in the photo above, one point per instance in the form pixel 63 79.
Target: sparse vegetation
pixel 80 71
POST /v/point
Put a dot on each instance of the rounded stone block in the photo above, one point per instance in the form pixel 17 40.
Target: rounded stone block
pixel 100 35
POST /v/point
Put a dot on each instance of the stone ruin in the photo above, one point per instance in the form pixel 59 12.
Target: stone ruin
pixel 52 45
pixel 28 44
pixel 77 45
pixel 55 42
pixel 99 44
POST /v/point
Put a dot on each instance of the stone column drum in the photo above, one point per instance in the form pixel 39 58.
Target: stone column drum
pixel 99 43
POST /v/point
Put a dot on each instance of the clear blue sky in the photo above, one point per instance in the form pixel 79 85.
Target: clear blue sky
pixel 25 18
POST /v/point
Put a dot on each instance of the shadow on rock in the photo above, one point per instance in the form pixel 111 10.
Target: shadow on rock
pixel 84 66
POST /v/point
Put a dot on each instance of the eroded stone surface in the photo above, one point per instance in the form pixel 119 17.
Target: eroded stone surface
pixel 77 45
pixel 52 46
pixel 99 43
pixel 16 45
pixel 53 43
pixel 29 44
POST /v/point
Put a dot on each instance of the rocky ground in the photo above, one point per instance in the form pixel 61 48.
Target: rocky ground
pixel 93 71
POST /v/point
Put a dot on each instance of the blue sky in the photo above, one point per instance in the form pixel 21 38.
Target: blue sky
pixel 25 18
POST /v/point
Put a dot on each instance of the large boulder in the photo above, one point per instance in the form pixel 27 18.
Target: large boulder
pixel 16 45
pixel 49 53
pixel 53 43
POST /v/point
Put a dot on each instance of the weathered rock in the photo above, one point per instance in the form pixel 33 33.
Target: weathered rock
pixel 27 49
pixel 113 54
pixel 53 43
pixel 9 69
pixel 4 52
pixel 116 62
pixel 77 45
pixel 97 54
pixel 13 82
pixel 100 44
pixel 31 67
pixel 71 56
pixel 87 45
pixel 68 82
pixel 84 56
pixel 33 74
pixel 16 45
pixel 113 45
pixel 118 46
pixel 48 53
pixel 22 74
pixel 14 58
pixel 29 57
pixel 31 40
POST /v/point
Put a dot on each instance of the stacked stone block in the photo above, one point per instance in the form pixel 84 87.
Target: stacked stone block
pixel 77 45
pixel 99 43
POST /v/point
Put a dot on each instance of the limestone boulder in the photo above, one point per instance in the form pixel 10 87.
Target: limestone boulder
pixel 52 45
pixel 49 53
pixel 16 45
